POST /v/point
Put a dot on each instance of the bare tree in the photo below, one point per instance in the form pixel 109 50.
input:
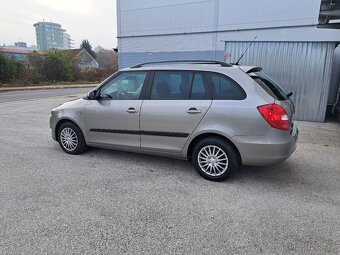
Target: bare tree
pixel 107 59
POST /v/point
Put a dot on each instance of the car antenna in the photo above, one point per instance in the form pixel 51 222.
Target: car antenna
pixel 245 51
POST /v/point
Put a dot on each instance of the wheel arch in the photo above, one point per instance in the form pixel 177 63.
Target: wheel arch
pixel 208 135
pixel 61 122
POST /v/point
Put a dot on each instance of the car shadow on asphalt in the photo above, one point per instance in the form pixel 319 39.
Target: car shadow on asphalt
pixel 139 158
pixel 281 172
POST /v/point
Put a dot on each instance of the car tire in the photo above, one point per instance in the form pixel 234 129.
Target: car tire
pixel 215 159
pixel 71 139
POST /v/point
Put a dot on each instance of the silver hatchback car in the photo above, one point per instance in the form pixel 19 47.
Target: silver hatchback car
pixel 216 115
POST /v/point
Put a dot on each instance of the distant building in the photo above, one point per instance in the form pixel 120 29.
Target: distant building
pixel 18 54
pixel 51 36
pixel 67 41
pixel 19 51
pixel 85 60
pixel 20 44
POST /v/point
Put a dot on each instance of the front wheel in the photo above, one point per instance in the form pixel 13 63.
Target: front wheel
pixel 71 138
pixel 214 159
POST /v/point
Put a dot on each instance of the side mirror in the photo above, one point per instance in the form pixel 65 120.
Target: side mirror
pixel 91 95
pixel 289 94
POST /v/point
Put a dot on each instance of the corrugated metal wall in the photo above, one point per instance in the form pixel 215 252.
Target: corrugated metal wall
pixel 301 67
pixel 335 77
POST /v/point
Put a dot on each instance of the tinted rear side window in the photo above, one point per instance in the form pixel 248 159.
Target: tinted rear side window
pixel 225 88
pixel 171 85
pixel 270 86
pixel 178 85
pixel 198 90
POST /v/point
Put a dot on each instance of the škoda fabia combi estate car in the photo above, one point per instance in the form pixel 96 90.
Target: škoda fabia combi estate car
pixel 214 114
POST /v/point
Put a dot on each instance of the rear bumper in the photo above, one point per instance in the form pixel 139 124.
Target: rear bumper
pixel 267 150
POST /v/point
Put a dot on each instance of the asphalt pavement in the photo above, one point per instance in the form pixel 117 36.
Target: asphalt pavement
pixel 110 202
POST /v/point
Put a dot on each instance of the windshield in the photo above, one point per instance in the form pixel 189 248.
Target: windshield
pixel 270 86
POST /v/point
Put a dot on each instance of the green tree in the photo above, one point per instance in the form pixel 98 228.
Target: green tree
pixel 36 61
pixel 85 44
pixel 11 69
pixel 57 66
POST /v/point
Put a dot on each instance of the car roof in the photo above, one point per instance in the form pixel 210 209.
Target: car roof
pixel 186 61
pixel 188 67
pixel 210 65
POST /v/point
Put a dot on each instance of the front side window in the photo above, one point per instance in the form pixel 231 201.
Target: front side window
pixel 225 88
pixel 178 85
pixel 126 86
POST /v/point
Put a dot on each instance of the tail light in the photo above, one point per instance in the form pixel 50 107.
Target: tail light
pixel 275 115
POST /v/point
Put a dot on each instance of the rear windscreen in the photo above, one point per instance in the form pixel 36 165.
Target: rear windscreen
pixel 270 86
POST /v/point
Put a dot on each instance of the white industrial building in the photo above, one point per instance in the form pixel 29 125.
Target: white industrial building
pixel 295 43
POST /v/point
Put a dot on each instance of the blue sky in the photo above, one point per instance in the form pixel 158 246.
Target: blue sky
pixel 90 19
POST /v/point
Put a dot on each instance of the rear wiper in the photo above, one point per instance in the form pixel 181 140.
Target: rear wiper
pixel 289 94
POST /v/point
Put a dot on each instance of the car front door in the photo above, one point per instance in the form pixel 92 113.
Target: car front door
pixel 113 118
pixel 176 102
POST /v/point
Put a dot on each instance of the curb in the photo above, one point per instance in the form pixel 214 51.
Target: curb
pixel 8 89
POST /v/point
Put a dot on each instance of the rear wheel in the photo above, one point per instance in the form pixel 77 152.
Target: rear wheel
pixel 215 159
pixel 71 138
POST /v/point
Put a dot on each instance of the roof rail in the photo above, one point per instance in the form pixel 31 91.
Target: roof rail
pixel 212 62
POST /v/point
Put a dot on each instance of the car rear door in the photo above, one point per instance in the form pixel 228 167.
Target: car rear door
pixel 288 105
pixel 176 103
pixel 280 97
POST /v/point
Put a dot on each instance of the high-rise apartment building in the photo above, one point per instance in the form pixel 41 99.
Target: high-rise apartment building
pixel 51 35
pixel 67 41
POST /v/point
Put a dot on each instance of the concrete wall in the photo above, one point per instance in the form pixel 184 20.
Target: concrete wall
pixel 198 28
pixel 149 17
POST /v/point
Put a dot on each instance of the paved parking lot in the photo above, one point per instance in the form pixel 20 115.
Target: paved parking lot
pixel 109 202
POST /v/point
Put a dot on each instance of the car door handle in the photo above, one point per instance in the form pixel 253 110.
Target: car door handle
pixel 193 110
pixel 132 110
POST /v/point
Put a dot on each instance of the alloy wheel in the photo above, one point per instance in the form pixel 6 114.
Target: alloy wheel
pixel 69 139
pixel 213 160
